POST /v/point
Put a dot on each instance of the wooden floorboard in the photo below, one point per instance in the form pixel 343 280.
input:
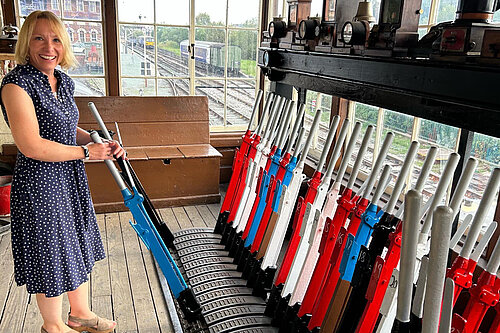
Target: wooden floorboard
pixel 124 286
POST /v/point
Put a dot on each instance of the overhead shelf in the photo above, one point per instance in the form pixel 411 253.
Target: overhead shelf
pixel 460 95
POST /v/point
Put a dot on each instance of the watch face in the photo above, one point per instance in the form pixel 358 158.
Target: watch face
pixel 265 58
pixel 271 29
pixel 317 30
pixel 302 29
pixel 347 33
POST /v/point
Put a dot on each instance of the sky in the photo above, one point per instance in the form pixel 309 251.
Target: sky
pixel 177 11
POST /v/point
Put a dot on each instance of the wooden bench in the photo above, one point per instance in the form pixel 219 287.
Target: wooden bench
pixel 168 144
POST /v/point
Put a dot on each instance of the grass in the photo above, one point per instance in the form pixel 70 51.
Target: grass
pixel 167 46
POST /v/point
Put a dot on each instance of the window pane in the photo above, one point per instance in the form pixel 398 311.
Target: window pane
pixel 209 52
pixel 426 8
pixel 243 15
pixel 89 86
pixel 173 87
pixel 170 62
pixel 422 32
pixel 447 10
pixel 136 50
pixel 214 90
pixel 367 115
pixel 28 6
pixel 87 47
pixel 402 126
pixel 442 136
pixel 496 16
pixel 240 100
pixel 138 87
pixel 211 12
pixel 376 8
pixel 242 53
pixel 172 12
pixel 80 9
pixel 486 150
pixel 136 11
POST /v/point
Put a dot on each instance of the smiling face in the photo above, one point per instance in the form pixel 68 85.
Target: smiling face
pixel 45 47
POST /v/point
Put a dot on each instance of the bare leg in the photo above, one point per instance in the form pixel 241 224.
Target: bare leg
pixel 79 303
pixel 50 309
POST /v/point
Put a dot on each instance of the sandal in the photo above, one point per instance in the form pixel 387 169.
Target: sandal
pixel 43 330
pixel 94 325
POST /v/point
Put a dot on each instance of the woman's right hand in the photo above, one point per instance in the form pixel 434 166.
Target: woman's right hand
pixel 100 151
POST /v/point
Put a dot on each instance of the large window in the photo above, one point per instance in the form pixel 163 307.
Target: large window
pixel 192 47
pixel 89 73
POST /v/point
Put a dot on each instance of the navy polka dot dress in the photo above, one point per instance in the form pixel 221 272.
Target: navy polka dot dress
pixel 55 238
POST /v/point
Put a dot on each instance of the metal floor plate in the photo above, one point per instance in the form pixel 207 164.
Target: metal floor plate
pixel 227 304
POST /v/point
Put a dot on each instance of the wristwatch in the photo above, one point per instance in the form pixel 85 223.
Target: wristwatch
pixel 85 152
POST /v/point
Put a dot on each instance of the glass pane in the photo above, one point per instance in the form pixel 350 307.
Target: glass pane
pixel 28 6
pixel 447 10
pixel 137 50
pixel 240 100
pixel 367 115
pixel 316 8
pixel 402 126
pixel 173 87
pixel 172 12
pixel 376 8
pixel 422 32
pixel 442 136
pixel 136 11
pixel 210 12
pixel 89 86
pixel 426 8
pixel 170 62
pixel 138 87
pixel 87 45
pixel 209 52
pixel 242 53
pixel 243 13
pixel 486 150
pixel 496 16
pixel 80 9
pixel 214 90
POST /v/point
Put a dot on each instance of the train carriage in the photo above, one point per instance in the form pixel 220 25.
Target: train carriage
pixel 210 57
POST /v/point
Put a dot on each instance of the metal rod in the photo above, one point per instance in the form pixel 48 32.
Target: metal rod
pixel 265 113
pixel 328 143
pixel 284 131
pixel 438 256
pixel 445 180
pixel 382 184
pixel 412 202
pixel 484 205
pixel 255 108
pixel 97 116
pixel 111 166
pixel 405 169
pixel 361 154
pixel 300 140
pixel 348 152
pixel 426 168
pixel 307 145
pixel 378 163
pixel 462 185
pixel 295 130
pixel 336 151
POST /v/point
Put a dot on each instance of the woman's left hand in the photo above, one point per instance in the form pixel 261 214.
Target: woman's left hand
pixel 116 150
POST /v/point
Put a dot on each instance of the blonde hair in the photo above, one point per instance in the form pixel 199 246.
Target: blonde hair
pixel 22 45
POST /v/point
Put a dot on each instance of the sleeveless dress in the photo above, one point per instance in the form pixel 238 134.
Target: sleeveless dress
pixel 54 232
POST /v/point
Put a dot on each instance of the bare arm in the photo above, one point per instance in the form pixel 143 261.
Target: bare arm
pixel 82 136
pixel 25 130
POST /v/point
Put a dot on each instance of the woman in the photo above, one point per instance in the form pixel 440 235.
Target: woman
pixel 55 238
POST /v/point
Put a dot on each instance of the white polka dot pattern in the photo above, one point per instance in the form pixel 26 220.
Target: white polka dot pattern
pixel 55 237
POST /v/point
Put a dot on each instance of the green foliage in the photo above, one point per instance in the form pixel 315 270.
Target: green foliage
pixel 176 35
pixel 248 67
pixel 170 46
pixel 486 148
pixel 367 113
